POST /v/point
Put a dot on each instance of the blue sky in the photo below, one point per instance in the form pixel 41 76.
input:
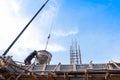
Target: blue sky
pixel 93 23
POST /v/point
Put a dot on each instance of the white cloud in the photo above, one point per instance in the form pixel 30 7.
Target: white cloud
pixel 46 17
pixel 12 22
pixel 55 47
pixel 8 21
pixel 14 6
pixel 63 33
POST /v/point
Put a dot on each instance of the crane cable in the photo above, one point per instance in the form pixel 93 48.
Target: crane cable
pixel 49 35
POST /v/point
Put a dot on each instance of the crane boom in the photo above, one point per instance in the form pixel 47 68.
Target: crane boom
pixel 24 29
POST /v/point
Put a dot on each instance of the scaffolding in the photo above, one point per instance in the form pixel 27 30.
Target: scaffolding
pixel 75 53
pixel 9 70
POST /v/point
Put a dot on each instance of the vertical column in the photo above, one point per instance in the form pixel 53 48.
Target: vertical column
pixel 86 75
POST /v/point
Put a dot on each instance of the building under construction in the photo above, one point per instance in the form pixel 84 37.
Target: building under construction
pixel 10 70
pixel 41 69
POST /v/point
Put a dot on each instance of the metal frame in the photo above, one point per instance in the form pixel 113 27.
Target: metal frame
pixel 12 71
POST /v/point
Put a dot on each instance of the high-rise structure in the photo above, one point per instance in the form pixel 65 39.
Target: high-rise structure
pixel 75 53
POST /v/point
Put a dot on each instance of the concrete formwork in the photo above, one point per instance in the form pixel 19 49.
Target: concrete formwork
pixel 9 70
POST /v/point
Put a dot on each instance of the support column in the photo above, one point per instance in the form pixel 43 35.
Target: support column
pixel 86 75
pixel 50 76
pixel 107 76
pixel 66 77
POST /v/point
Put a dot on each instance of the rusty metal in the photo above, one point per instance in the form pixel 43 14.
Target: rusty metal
pixel 23 71
pixel 13 71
